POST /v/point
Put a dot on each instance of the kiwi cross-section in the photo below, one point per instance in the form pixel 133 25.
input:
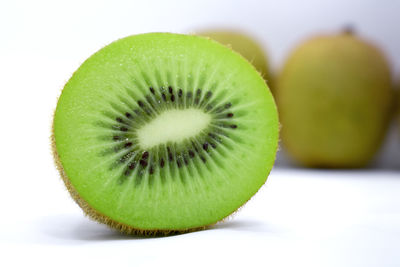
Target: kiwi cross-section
pixel 164 133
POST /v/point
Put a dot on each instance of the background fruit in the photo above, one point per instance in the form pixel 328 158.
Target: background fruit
pixel 334 98
pixel 398 109
pixel 244 45
pixel 150 138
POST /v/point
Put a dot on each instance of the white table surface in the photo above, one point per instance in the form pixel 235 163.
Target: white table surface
pixel 299 218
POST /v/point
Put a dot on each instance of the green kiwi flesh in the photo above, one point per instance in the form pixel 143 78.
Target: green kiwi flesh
pixel 335 98
pixel 164 133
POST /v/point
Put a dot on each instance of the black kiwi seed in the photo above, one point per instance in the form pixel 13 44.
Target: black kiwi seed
pixel 162 163
pixel 129 144
pixel 191 153
pixel 145 155
pixel 144 107
pixel 229 115
pixel 132 165
pixel 143 163
pixel 170 156
pixel 197 98
pixel 205 146
pixel 180 93
pixel 152 90
pixel 151 171
pixel 170 89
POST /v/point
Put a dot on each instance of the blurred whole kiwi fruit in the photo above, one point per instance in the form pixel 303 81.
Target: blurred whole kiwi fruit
pixel 398 107
pixel 334 97
pixel 245 45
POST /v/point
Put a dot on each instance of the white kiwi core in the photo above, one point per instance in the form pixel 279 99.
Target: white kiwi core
pixel 173 126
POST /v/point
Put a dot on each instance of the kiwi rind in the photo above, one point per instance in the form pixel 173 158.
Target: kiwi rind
pixel 98 216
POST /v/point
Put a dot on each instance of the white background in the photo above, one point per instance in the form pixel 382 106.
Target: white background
pixel 300 218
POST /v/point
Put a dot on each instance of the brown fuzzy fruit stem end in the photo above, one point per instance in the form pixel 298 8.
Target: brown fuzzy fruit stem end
pixel 349 29
pixel 101 218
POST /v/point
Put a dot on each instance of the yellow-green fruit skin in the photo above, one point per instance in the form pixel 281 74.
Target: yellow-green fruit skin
pixel 398 110
pixel 334 97
pixel 244 45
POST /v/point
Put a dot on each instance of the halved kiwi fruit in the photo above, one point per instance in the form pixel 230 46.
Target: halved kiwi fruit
pixel 164 133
